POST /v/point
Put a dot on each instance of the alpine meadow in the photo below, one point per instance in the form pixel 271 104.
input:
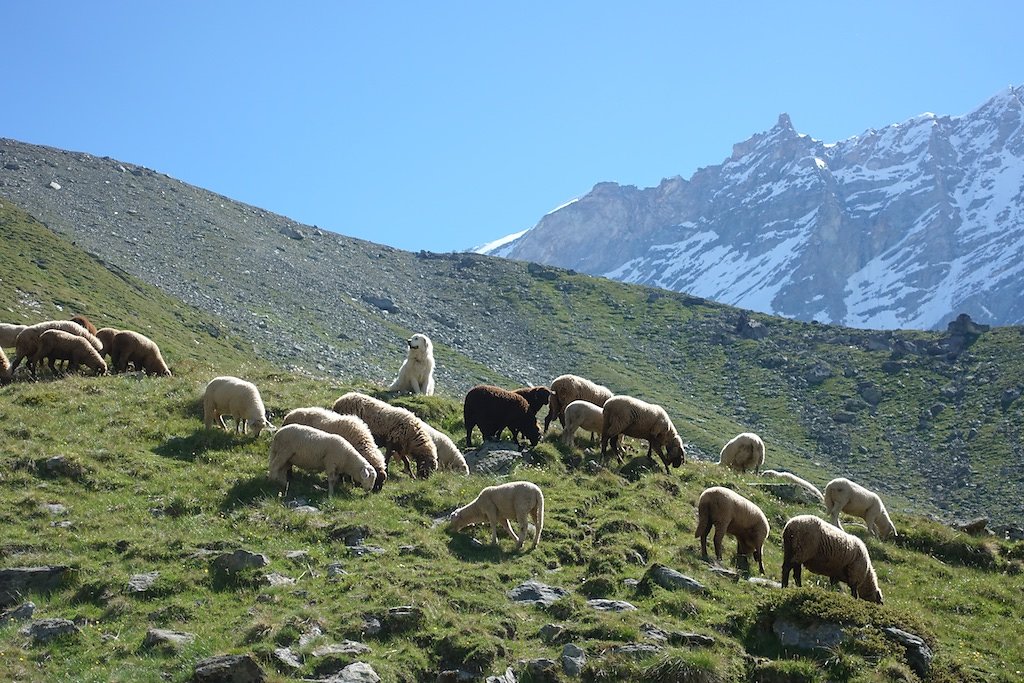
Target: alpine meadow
pixel 141 546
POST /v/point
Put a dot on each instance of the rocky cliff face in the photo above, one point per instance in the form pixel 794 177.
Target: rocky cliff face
pixel 903 227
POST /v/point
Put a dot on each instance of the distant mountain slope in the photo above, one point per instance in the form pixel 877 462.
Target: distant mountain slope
pixel 932 420
pixel 903 227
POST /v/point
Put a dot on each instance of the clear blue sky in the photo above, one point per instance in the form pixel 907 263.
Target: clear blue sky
pixel 443 125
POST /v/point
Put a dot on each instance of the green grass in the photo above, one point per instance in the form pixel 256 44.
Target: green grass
pixel 148 489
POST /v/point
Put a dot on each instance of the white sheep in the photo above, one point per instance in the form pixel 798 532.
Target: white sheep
pixel 27 341
pixel 568 388
pixel 317 451
pixel 58 345
pixel 792 478
pixel 843 495
pixel 730 513
pixel 744 452
pixel 449 457
pixel 581 414
pixel 625 415
pixel 348 427
pixel 9 334
pixel 809 541
pixel 5 368
pixel 238 398
pixel 518 500
pixel 393 427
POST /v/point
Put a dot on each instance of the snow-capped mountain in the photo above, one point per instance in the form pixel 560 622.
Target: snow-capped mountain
pixel 903 227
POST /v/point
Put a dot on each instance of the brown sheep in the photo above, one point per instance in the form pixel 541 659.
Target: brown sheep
pixel 393 427
pixel 128 346
pixel 106 337
pixel 58 345
pixel 537 397
pixel 625 415
pixel 809 541
pixel 492 409
pixel 85 322
pixel 568 388
pixel 731 513
pixel 28 340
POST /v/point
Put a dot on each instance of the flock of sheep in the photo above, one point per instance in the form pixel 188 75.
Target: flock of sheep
pixel 344 442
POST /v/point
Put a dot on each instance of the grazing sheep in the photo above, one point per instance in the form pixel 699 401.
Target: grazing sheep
pixel 744 452
pixel 128 346
pixel 625 415
pixel 792 478
pixel 449 457
pixel 581 414
pixel 537 397
pixel 731 513
pixel 393 427
pixel 58 345
pixel 235 397
pixel 568 388
pixel 417 372
pixel 348 427
pixel 9 333
pixel 495 505
pixel 28 340
pixel 106 337
pixel 843 495
pixel 809 541
pixel 5 368
pixel 85 322
pixel 317 451
pixel 492 409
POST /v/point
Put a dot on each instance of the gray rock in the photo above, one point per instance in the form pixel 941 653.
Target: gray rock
pixel 357 672
pixel 919 655
pixel 239 560
pixel 652 632
pixel 336 569
pixel 287 658
pixel 636 650
pixel 603 605
pixel 819 635
pixel 371 626
pixel 541 670
pixel 508 677
pixel 573 660
pixel 228 669
pixel 671 579
pixel 141 583
pixel 22 612
pixel 361 550
pixel 381 302
pixel 17 581
pixel 351 536
pixel 551 633
pixel 297 555
pixel 45 630
pixel 494 457
pixel 345 647
pixel 762 581
pixel 871 394
pixel 291 233
pixel 536 593
pixel 974 527
pixel 636 468
pixel 55 509
pixel 274 579
pixel 1009 396
pixel 403 618
pixel 158 637
pixel 818 374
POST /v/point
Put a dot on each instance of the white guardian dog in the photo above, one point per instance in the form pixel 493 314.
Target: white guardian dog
pixel 417 372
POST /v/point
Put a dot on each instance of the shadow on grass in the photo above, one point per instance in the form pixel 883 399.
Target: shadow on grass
pixel 469 549
pixel 248 491
pixel 195 444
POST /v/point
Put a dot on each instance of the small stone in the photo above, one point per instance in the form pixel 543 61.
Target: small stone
pixel 358 672
pixel 336 569
pixel 239 560
pixel 22 612
pixel 636 650
pixel 671 579
pixel 286 657
pixel 603 605
pixel 158 637
pixel 361 550
pixel 228 669
pixel 54 185
pixel 296 554
pixel 140 583
pixel 536 593
pixel 55 509
pixel 274 579
pixel 45 630
pixel 346 647
pixel 573 660
pixel 550 633
pixel 919 655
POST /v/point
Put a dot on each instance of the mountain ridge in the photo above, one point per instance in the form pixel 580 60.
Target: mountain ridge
pixel 901 227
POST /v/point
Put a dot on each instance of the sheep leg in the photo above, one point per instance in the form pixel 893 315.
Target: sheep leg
pixel 702 533
pixel 332 478
pixel 512 533
pixel 408 466
pixel 760 563
pixel 720 528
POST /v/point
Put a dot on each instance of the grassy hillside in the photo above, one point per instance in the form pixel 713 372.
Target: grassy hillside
pixel 115 477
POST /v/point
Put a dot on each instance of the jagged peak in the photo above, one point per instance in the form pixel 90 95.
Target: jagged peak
pixel 784 122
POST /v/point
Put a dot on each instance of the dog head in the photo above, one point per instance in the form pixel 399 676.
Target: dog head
pixel 420 346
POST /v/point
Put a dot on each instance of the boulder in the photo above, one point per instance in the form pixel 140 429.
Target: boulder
pixel 919 655
pixel 17 581
pixel 45 630
pixel 231 563
pixel 228 669
pixel 175 640
pixel 670 579
pixel 536 593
